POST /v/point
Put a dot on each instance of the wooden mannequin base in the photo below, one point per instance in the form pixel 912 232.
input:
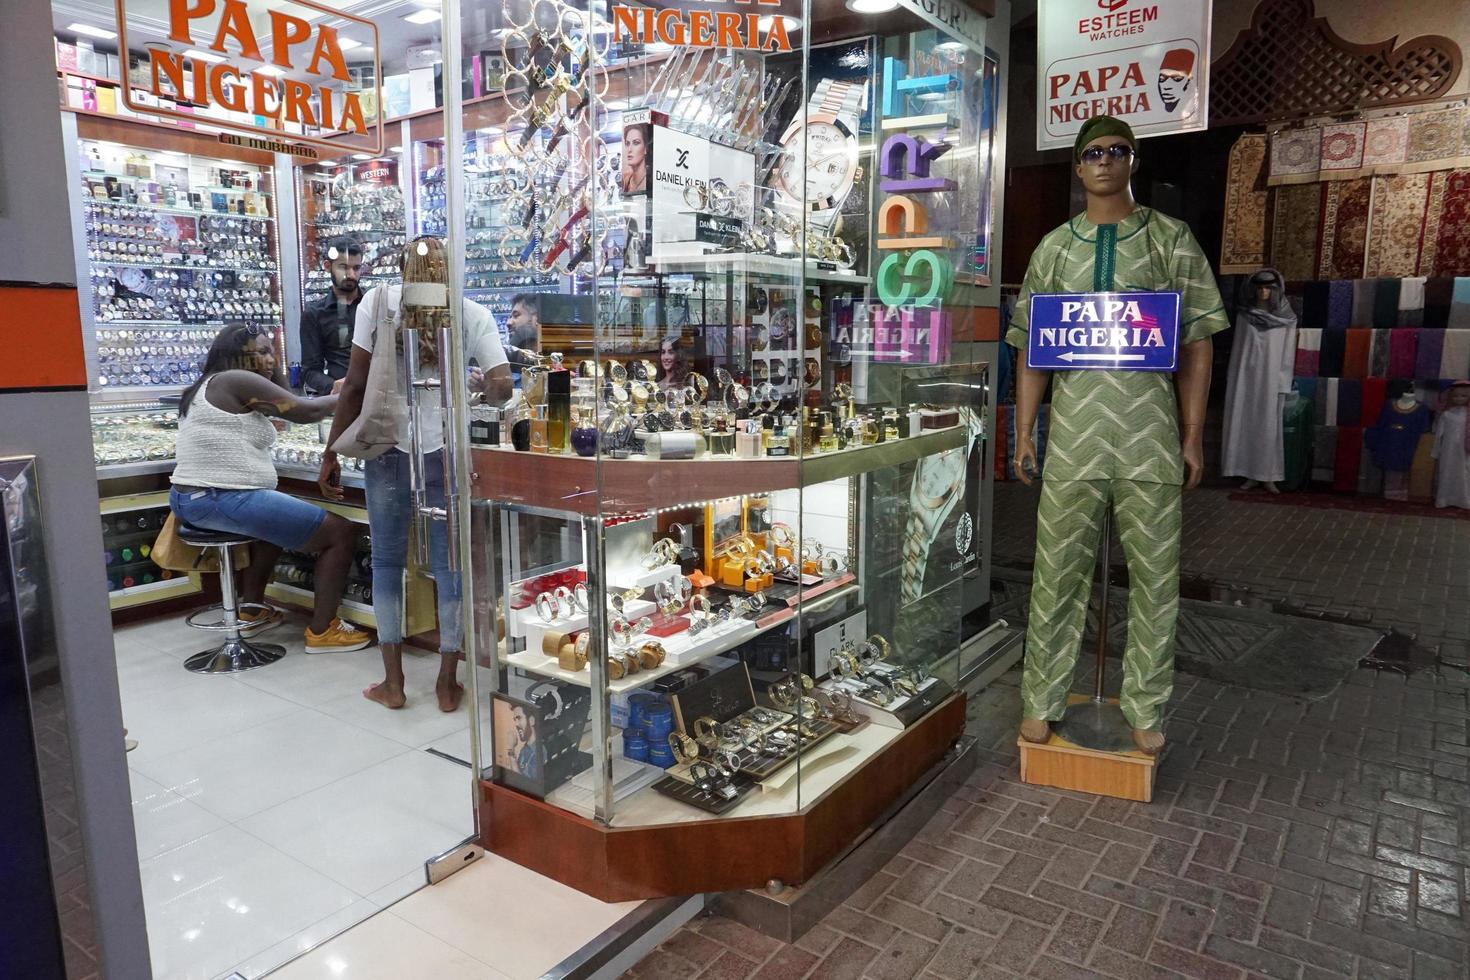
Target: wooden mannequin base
pixel 1059 763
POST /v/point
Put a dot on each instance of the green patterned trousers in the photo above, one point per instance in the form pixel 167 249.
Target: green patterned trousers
pixel 1068 527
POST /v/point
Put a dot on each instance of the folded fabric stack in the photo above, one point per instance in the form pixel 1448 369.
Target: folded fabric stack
pixel 1358 335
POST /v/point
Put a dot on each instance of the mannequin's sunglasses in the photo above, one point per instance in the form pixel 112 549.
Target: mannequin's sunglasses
pixel 1118 151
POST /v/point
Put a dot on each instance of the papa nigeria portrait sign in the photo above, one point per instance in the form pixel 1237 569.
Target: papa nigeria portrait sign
pixel 1145 61
pixel 1103 331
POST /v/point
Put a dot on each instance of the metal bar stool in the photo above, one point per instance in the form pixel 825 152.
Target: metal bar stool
pixel 236 653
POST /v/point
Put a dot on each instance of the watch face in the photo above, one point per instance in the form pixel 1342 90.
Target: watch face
pixel 831 160
pixel 939 474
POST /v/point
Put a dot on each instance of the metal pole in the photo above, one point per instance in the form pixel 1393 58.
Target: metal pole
pixel 602 800
pixel 1102 616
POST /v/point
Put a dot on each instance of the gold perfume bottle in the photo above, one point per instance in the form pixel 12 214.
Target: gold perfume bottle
pixel 539 424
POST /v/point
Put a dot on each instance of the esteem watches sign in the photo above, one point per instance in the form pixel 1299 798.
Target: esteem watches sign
pixel 280 63
pixel 1145 61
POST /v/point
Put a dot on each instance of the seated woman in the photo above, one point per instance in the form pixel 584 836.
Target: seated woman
pixel 225 480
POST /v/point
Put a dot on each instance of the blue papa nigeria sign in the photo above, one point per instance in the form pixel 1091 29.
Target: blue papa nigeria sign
pixel 1103 331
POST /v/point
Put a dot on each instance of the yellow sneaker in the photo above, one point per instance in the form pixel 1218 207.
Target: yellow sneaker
pixel 339 637
pixel 256 621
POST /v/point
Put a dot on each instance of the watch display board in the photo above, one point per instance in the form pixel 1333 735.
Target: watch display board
pixel 360 201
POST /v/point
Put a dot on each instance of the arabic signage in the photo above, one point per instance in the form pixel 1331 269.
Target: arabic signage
pixel 1103 331
pixel 1145 61
pixel 281 66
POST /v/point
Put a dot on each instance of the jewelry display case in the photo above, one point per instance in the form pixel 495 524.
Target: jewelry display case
pixel 718 538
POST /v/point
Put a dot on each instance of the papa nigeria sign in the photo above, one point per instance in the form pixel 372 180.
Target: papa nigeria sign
pixel 1145 61
pixel 1103 331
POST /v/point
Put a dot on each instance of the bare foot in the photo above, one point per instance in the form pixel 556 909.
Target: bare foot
pixel 1148 742
pixel 1272 488
pixel 1248 485
pixel 388 695
pixel 1035 729
pixel 450 693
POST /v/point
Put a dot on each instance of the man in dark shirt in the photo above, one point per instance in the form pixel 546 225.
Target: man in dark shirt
pixel 523 332
pixel 326 324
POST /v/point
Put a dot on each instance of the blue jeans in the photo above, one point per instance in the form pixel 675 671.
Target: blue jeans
pixel 390 515
pixel 268 515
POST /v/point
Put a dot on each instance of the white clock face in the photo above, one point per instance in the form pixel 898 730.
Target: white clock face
pixel 939 474
pixel 830 153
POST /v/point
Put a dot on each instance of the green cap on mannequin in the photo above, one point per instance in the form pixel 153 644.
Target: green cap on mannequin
pixel 1101 126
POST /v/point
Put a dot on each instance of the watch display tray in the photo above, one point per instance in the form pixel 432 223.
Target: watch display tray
pixel 684 792
pixel 770 765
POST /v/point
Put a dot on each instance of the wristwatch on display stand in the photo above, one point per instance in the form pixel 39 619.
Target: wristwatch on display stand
pixel 829 130
pixel 939 484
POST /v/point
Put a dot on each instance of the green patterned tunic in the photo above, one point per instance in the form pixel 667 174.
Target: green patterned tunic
pixel 1119 425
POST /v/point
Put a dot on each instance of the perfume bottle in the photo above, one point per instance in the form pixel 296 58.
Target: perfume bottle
pixel 558 410
pixel 539 424
pixel 915 421
pixel 748 439
pixel 721 439
pixel 778 443
pixel 828 442
pixel 768 426
pixel 890 424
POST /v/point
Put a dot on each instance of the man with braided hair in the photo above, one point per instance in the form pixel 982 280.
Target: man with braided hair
pixel 1114 440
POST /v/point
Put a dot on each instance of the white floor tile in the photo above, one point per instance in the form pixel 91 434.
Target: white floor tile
pixel 144 671
pixel 456 745
pixel 314 679
pixel 243 773
pixel 314 935
pixel 400 889
pixel 490 908
pixel 376 826
pixel 164 820
pixel 225 898
pixel 416 723
pixel 387 948
pixel 177 718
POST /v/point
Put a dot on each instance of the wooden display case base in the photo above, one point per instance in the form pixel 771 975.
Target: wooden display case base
pixel 619 864
pixel 1059 763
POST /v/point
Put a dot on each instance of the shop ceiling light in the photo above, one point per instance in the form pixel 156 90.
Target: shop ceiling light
pixel 362 156
pixel 347 43
pixel 395 149
pixel 792 24
pixel 271 70
pixel 204 56
pixel 872 6
pixel 91 31
pixel 422 16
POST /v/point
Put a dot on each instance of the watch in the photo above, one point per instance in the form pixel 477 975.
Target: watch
pixel 938 484
pixel 823 144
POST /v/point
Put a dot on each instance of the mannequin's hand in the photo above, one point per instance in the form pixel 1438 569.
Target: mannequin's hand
pixel 1024 461
pixel 1194 457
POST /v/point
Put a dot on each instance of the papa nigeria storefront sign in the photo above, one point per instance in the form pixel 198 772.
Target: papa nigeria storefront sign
pixel 1103 331
pixel 1145 61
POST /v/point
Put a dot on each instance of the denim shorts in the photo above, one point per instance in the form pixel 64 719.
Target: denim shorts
pixel 268 515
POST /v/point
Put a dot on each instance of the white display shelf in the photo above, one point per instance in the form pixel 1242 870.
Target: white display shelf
pixel 788 267
pixel 525 622
pixel 273 270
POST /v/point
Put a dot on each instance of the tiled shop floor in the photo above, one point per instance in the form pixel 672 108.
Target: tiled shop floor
pixel 1286 839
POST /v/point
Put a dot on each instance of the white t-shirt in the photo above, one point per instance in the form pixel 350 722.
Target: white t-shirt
pixel 481 344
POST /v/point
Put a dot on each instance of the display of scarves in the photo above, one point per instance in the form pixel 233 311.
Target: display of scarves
pixel 1294 231
pixel 1370 477
pixel 1396 223
pixel 1355 354
pixel 1329 389
pixel 1411 302
pixel 1306 387
pixel 1308 351
pixel 1314 304
pixel 1339 304
pixel 1243 240
pixel 1334 350
pixel 1345 228
pixel 1362 313
pixel 1458 313
pixel 1386 303
pixel 1403 345
pixel 1349 454
pixel 1421 474
pixel 1349 401
pixel 1438 297
pixel 1451 245
pixel 1454 362
pixel 1431 351
pixel 1375 396
pixel 1378 354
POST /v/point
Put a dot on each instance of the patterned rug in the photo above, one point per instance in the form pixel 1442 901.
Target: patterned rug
pixel 1449 255
pixel 1400 202
pixel 1294 230
pixel 1345 229
pixel 1243 242
pixel 1254 648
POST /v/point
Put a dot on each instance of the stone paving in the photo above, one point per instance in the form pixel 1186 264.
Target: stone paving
pixel 1286 839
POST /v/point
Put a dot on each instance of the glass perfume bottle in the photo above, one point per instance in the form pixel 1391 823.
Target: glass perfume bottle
pixel 828 442
pixel 558 410
pixel 539 425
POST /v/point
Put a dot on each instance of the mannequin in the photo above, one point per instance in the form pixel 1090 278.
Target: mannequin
pixel 1452 448
pixel 1395 438
pixel 1262 356
pixel 1115 440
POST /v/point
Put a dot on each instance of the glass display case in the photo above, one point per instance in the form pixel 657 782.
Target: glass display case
pixel 719 533
pixel 357 199
pixel 178 245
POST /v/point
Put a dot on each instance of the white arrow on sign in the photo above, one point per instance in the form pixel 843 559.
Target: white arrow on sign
pixel 1072 356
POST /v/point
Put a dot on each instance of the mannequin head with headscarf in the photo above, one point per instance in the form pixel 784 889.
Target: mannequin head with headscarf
pixel 1263 301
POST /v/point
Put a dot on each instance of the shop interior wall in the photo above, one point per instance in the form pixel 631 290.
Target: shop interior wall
pixel 35 247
